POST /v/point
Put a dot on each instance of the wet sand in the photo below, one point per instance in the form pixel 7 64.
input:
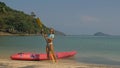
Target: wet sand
pixel 7 63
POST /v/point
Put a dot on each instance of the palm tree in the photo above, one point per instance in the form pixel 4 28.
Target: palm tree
pixel 33 14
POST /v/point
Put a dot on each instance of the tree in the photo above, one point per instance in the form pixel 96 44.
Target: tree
pixel 17 21
pixel 33 14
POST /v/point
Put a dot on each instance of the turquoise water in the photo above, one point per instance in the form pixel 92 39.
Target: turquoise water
pixel 90 49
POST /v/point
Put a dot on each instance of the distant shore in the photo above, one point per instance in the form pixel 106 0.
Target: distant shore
pixel 4 33
pixel 23 34
pixel 4 63
pixel 10 34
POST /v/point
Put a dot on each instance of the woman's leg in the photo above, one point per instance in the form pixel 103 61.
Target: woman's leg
pixel 47 51
pixel 52 50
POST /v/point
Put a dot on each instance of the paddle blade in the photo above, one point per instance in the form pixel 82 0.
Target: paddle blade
pixel 39 22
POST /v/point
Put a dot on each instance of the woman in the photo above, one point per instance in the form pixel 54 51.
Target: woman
pixel 49 47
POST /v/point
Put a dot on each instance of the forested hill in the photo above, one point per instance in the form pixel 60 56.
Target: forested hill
pixel 18 22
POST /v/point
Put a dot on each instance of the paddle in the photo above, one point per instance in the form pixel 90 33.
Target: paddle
pixel 39 23
pixel 42 30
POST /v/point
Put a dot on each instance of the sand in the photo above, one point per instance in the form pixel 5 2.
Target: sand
pixel 7 63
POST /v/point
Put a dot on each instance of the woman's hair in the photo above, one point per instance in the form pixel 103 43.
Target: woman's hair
pixel 52 31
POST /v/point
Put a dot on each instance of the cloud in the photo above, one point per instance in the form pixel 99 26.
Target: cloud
pixel 89 19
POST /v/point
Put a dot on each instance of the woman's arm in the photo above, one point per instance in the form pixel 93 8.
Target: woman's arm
pixel 44 34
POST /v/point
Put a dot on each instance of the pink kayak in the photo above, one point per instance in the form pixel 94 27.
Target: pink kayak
pixel 34 56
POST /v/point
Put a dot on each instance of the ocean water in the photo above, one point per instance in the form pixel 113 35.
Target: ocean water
pixel 90 49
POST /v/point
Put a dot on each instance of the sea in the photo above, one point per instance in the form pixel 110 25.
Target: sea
pixel 90 49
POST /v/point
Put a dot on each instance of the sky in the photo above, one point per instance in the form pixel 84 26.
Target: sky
pixel 74 17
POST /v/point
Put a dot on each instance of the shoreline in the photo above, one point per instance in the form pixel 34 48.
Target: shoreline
pixel 7 63
pixel 10 34
pixel 21 34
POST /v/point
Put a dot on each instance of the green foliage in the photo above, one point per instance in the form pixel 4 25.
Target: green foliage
pixel 14 21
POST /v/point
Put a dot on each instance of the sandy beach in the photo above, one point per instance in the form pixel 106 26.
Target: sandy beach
pixel 7 63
